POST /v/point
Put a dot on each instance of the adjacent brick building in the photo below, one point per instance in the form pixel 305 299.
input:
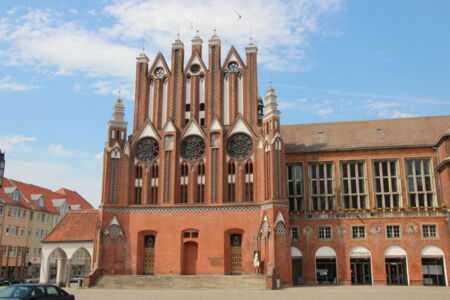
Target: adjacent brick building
pixel 27 214
pixel 209 178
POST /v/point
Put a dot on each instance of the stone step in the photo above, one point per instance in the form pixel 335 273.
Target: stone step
pixel 182 282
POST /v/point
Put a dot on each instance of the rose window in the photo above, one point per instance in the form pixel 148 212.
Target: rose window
pixel 147 149
pixel 159 72
pixel 240 145
pixel 195 68
pixel 233 66
pixel 192 147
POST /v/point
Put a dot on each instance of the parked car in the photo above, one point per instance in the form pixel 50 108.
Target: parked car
pixel 31 280
pixel 9 281
pixel 35 292
pixel 4 281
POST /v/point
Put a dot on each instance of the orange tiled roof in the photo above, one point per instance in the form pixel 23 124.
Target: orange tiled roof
pixel 30 189
pixel 22 201
pixel 73 198
pixel 76 225
pixel 373 134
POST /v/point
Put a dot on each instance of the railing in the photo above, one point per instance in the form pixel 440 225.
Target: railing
pixel 369 214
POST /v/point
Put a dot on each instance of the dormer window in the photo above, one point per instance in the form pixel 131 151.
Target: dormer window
pixel 15 195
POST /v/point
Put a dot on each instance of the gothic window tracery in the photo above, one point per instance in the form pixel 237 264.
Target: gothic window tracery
pixel 184 183
pixel 154 180
pixel 240 145
pixel 231 181
pixel 192 148
pixel 233 66
pixel 147 149
pixel 159 72
pixel 138 185
pixel 201 183
pixel 249 181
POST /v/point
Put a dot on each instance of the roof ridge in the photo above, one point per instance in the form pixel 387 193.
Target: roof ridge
pixel 372 120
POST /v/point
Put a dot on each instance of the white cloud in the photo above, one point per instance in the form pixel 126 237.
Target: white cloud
pixel 103 87
pixel 58 150
pixel 7 85
pixel 42 40
pixel 281 28
pixel 74 11
pixel 395 114
pixel 12 142
pixel 390 97
pixel 325 111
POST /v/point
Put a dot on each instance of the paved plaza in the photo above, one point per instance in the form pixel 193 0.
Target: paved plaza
pixel 307 293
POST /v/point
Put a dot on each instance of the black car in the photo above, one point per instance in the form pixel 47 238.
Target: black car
pixel 35 292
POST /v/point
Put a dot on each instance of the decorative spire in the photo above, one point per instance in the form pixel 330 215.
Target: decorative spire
pixel 178 44
pixel 142 58
pixel 270 103
pixel 251 48
pixel 118 115
pixel 197 40
pixel 214 38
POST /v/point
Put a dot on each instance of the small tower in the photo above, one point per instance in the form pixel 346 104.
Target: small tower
pixel 117 126
pixel 141 88
pixel 271 120
pixel 197 44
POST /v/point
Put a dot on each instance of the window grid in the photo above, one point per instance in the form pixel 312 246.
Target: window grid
pixel 322 185
pixel 354 195
pixel 295 187
pixel 420 187
pixel 358 232
pixel 294 233
pixel 386 184
pixel 429 230
pixel 393 231
pixel 324 232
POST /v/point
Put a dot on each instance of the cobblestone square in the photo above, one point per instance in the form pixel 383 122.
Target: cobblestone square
pixel 298 293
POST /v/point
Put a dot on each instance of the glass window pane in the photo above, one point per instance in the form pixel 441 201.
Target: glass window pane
pixel 409 167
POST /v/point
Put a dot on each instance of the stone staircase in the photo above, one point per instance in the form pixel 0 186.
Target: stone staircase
pixel 182 282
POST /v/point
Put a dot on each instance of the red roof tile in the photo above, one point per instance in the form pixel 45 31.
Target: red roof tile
pixel 408 132
pixel 76 225
pixel 73 198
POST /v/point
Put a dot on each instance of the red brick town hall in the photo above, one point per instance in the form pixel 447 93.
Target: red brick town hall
pixel 209 182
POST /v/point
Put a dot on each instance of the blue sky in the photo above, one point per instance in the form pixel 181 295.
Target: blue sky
pixel 63 62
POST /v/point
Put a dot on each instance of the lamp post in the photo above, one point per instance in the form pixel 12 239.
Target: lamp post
pixel 2 167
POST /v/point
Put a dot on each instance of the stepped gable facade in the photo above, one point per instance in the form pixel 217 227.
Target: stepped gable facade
pixel 209 178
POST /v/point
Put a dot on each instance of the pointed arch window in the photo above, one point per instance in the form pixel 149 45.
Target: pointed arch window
pixel 138 185
pixel 231 181
pixel 154 181
pixel 248 181
pixel 200 183
pixel 184 182
pixel 114 178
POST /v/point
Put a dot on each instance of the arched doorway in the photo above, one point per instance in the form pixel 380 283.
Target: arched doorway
pixel 80 264
pixel 149 255
pixel 396 266
pixel 57 266
pixel 326 265
pixel 360 266
pixel 297 266
pixel 433 266
pixel 190 258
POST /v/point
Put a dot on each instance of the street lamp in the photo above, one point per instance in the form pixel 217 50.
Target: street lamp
pixel 2 167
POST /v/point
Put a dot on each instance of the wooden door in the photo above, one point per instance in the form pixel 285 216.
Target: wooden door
pixel 236 253
pixel 190 258
pixel 149 254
